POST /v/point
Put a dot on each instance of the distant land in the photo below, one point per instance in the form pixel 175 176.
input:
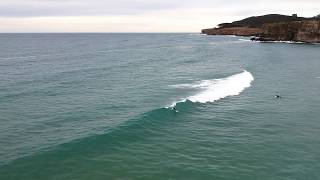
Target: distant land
pixel 272 27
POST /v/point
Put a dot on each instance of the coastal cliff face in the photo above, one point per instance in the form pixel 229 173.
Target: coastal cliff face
pixel 272 28
pixel 238 31
pixel 304 31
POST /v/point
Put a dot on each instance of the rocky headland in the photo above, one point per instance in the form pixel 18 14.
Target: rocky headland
pixel 272 27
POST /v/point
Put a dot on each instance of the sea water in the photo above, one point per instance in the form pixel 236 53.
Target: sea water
pixel 157 106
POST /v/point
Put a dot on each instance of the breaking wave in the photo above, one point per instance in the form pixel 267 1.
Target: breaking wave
pixel 215 89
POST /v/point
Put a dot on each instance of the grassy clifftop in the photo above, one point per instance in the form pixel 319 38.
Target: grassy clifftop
pixel 258 21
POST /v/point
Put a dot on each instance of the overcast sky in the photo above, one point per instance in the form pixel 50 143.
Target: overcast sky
pixel 138 15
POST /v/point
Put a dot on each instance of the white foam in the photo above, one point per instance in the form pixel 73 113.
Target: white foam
pixel 231 35
pixel 285 42
pixel 199 84
pixel 245 40
pixel 215 89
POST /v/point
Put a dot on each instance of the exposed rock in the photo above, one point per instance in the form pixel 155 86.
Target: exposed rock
pixel 302 31
pixel 238 31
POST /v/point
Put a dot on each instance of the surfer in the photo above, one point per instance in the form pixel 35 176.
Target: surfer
pixel 277 96
pixel 174 109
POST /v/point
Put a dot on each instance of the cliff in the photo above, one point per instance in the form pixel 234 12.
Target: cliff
pixel 272 27
pixel 303 31
pixel 238 31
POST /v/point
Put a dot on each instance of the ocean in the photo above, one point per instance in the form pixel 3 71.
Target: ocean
pixel 157 106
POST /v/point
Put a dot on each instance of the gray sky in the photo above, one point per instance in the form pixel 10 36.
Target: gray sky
pixel 138 15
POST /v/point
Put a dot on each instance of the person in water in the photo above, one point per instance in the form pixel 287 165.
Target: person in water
pixel 277 96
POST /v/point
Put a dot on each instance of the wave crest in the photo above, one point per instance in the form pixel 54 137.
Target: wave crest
pixel 215 89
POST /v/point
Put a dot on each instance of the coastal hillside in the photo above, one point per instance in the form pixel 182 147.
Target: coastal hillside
pixel 272 27
pixel 258 21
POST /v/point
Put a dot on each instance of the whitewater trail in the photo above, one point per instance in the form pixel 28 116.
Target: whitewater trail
pixel 215 89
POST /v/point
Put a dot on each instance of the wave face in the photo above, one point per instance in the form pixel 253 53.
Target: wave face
pixel 215 89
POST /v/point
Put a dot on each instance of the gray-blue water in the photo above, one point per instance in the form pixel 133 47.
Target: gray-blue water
pixel 97 106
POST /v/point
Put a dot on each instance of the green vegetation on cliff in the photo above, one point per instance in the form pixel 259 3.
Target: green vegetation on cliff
pixel 258 21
